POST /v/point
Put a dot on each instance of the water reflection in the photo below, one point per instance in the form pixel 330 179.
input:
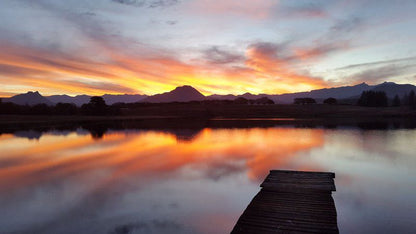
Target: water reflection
pixel 196 180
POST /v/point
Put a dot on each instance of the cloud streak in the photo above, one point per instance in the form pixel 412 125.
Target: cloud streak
pixel 148 3
pixel 152 46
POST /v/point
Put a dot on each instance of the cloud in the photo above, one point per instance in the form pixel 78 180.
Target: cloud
pixel 320 50
pixel 259 9
pixel 148 3
pixel 383 73
pixel 171 22
pixel 216 55
pixel 370 64
pixel 347 25
pixel 277 61
pixel 378 71
pixel 292 9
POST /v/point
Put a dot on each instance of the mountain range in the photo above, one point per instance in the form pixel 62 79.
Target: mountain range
pixel 188 93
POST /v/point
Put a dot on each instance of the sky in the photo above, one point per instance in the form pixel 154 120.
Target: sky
pixel 223 47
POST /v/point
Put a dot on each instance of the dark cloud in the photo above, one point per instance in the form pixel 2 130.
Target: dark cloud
pixel 312 9
pixel 216 55
pixel 383 73
pixel 370 64
pixel 148 3
pixel 171 22
pixel 273 50
pixel 347 25
pixel 162 3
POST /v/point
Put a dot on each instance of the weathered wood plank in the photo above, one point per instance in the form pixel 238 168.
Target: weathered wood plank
pixel 292 202
pixel 308 173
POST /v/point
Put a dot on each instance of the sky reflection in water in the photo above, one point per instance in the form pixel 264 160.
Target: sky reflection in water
pixel 159 182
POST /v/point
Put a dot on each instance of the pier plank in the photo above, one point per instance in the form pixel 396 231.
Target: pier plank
pixel 291 202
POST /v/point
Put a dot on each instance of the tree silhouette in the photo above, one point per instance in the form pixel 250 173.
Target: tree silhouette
pixel 412 99
pixel 241 100
pixel 396 101
pixel 373 98
pixel 41 109
pixel 66 109
pixel 96 106
pixel 330 101
pixel 304 101
pixel 264 101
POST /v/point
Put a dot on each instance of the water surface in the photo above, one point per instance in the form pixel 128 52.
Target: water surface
pixel 196 180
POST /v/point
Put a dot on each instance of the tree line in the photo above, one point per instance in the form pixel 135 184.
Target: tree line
pixel 380 99
pixel 370 99
pixel 98 106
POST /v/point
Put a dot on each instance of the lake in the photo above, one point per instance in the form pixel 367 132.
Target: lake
pixel 197 179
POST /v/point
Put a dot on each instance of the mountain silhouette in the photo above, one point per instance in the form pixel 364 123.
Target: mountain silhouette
pixel 188 93
pixel 78 100
pixel 30 98
pixel 391 89
pixel 184 93
pixel 342 92
pixel 221 97
pixel 110 99
pixel 126 98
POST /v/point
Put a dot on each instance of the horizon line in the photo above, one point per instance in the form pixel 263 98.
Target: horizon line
pixel 149 95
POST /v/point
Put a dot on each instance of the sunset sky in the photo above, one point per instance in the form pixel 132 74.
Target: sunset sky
pixel 228 46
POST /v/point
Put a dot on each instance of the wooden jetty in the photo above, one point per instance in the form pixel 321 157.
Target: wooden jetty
pixel 291 202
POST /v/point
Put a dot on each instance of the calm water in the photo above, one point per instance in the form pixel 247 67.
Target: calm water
pixel 196 181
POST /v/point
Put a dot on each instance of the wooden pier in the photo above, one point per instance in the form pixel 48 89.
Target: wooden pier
pixel 291 202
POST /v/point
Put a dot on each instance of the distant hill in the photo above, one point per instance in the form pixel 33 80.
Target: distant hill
pixel 349 93
pixel 187 93
pixel 77 100
pixel 29 98
pixel 391 89
pixel 232 97
pixel 180 94
pixel 221 97
pixel 126 98
pixel 110 99
pixel 343 92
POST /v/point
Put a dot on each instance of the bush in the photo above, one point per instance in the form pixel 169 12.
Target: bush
pixel 304 101
pixel 330 101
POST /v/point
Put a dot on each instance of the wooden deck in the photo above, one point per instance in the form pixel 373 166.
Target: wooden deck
pixel 291 202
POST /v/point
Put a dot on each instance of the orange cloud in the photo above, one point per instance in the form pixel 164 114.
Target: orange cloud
pixel 120 71
pixel 264 59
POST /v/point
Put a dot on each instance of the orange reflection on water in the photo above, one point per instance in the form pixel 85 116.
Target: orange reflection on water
pixel 154 154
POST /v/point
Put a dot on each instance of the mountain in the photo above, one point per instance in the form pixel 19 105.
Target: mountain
pixel 391 89
pixel 337 92
pixel 29 98
pixel 252 96
pixel 232 97
pixel 221 97
pixel 110 99
pixel 187 93
pixel 180 94
pixel 126 98
pixel 77 100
